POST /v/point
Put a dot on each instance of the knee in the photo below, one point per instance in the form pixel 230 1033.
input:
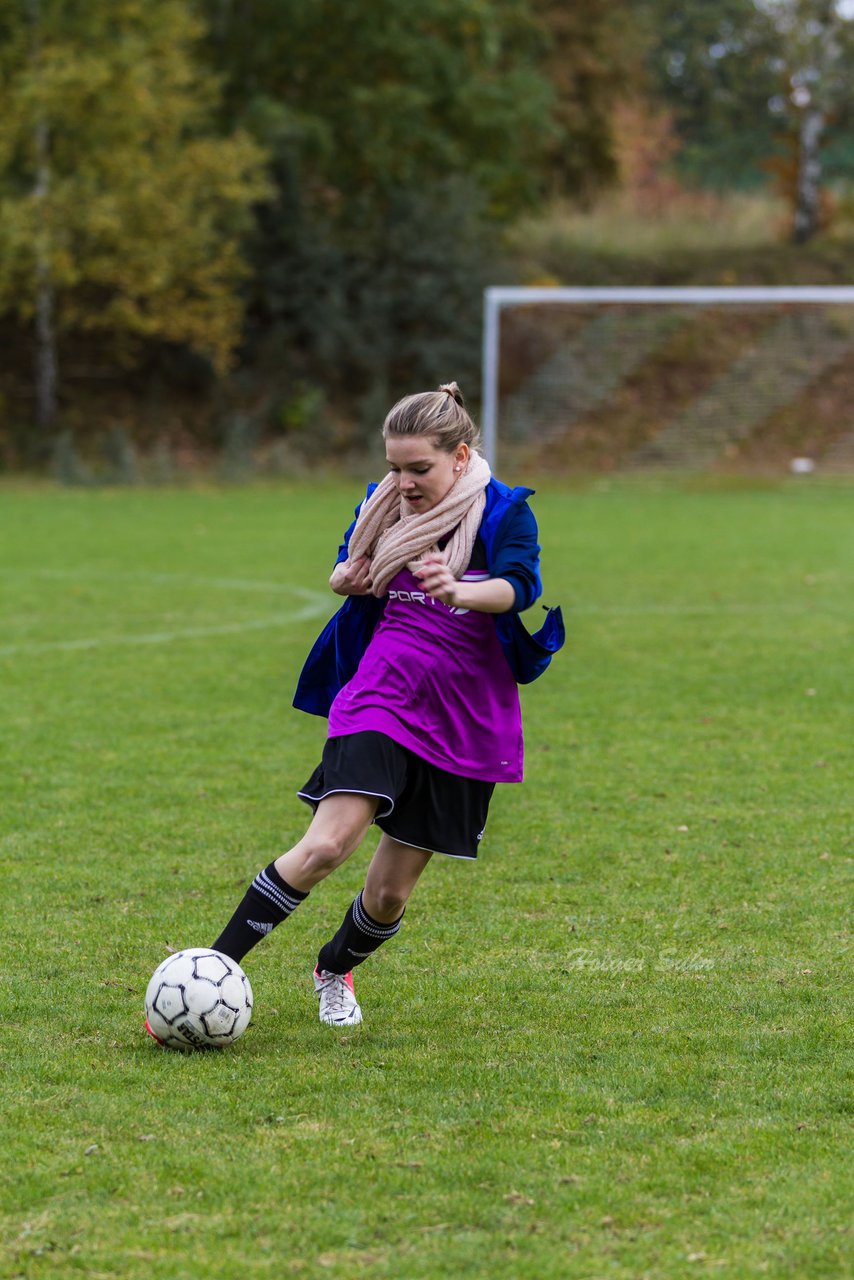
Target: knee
pixel 385 901
pixel 325 853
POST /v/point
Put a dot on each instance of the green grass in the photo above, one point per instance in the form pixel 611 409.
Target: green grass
pixel 689 239
pixel 682 223
pixel 616 1046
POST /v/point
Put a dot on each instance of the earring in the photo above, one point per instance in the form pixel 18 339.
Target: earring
pixel 456 468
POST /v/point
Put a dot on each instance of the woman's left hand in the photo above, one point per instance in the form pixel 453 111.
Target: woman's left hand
pixel 437 579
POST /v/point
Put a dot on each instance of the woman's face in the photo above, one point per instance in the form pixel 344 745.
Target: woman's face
pixel 424 474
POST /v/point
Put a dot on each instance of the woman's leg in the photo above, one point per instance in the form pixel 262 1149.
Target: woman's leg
pixel 394 872
pixel 336 830
pixel 376 913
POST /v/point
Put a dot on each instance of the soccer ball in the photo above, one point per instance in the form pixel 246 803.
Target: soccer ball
pixel 198 999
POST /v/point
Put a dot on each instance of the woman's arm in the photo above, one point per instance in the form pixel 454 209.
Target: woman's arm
pixel 495 595
pixel 516 555
pixel 352 579
pixel 514 584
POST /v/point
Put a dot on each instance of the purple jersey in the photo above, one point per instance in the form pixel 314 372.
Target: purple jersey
pixel 435 679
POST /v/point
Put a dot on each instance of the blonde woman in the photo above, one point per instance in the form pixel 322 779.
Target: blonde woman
pixel 418 675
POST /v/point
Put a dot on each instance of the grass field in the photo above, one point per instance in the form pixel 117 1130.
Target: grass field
pixel 618 1046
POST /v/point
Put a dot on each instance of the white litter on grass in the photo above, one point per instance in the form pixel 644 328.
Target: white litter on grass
pixel 801 466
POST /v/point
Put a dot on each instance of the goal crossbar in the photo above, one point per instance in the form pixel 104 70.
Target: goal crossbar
pixel 498 297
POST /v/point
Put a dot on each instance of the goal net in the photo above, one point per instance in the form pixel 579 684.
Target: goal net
pixel 606 379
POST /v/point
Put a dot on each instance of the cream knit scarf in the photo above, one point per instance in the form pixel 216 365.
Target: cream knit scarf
pixel 393 534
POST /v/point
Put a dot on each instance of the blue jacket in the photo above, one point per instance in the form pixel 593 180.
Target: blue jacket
pixel 509 534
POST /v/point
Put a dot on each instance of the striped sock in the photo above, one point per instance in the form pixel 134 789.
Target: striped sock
pixel 359 937
pixel 267 902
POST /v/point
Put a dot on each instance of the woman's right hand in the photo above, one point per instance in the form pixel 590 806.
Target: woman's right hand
pixel 352 577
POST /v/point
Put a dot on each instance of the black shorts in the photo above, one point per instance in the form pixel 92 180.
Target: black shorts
pixel 420 804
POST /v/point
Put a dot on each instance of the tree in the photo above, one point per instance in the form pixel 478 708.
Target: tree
pixel 402 136
pixel 380 95
pixel 817 65
pixel 590 59
pixel 714 67
pixel 752 80
pixel 121 210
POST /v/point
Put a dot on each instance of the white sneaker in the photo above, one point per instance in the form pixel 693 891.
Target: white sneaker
pixel 338 1004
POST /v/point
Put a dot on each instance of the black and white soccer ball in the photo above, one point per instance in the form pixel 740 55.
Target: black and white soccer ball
pixel 198 999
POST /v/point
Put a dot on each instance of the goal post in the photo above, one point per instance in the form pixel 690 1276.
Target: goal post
pixel 789 344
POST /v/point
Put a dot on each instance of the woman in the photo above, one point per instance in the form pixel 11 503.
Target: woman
pixel 417 673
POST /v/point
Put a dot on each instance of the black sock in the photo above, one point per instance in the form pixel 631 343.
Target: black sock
pixel 268 901
pixel 358 938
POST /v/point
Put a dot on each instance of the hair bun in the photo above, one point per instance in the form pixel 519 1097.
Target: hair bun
pixel 453 390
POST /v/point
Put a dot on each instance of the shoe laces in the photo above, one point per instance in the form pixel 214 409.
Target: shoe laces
pixel 337 994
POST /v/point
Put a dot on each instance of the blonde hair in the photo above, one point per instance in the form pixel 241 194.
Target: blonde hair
pixel 441 414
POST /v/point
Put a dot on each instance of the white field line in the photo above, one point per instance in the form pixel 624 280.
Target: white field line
pixel 711 610
pixel 187 579
pixel 323 599
pixel 318 604
pixel 164 637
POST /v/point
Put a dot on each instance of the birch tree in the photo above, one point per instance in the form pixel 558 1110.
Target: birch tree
pixel 817 61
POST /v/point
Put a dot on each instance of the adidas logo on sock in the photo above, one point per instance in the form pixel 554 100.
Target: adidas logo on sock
pixel 259 927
